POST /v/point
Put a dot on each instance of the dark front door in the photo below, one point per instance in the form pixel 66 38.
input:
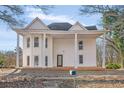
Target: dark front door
pixel 59 60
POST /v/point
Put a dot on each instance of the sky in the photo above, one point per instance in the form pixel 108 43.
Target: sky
pixel 59 13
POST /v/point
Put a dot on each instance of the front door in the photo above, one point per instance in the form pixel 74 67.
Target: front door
pixel 59 60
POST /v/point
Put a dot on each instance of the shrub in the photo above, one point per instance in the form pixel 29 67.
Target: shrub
pixel 113 66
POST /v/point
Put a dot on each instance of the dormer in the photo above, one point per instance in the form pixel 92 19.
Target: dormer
pixel 77 27
pixel 37 24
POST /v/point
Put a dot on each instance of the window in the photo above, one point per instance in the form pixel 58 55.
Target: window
pixel 80 59
pixel 46 43
pixel 46 60
pixel 28 60
pixel 80 44
pixel 36 60
pixel 36 42
pixel 28 42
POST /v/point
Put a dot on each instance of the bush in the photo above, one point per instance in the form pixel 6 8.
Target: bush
pixel 113 66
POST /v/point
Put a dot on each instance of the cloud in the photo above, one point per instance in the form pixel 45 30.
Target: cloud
pixel 51 17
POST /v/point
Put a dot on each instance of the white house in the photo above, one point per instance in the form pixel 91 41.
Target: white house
pixel 58 45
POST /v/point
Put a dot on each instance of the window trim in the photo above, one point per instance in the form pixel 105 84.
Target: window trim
pixel 36 42
pixel 28 42
pixel 81 59
pixel 36 64
pixel 28 60
pixel 80 45
pixel 46 43
pixel 46 60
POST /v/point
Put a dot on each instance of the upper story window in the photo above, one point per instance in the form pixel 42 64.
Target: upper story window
pixel 36 60
pixel 80 45
pixel 28 42
pixel 80 59
pixel 46 43
pixel 36 42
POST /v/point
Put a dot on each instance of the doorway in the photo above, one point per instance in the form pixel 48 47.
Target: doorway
pixel 59 60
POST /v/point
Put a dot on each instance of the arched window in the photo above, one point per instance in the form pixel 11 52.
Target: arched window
pixel 80 45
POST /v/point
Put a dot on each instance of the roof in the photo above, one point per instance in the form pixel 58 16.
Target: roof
pixel 91 27
pixel 59 26
pixel 66 26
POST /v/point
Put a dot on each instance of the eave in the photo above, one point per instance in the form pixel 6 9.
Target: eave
pixel 42 31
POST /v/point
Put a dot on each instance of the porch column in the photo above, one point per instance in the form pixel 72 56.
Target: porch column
pixel 17 52
pixel 103 57
pixel 75 61
pixel 44 50
pixel 31 50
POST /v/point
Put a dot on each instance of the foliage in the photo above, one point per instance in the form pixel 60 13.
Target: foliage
pixel 8 58
pixel 113 66
pixel 112 20
pixel 2 60
pixel 12 14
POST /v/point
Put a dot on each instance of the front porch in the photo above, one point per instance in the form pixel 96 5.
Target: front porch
pixel 54 54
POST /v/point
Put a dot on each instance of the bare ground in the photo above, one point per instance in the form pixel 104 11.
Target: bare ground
pixel 59 79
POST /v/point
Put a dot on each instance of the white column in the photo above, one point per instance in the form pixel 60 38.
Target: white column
pixel 31 50
pixel 40 46
pixel 52 62
pixel 75 61
pixel 44 49
pixel 17 52
pixel 103 63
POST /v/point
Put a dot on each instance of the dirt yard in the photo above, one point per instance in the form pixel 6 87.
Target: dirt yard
pixel 37 78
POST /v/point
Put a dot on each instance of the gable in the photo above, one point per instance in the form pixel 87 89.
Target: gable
pixel 36 24
pixel 77 26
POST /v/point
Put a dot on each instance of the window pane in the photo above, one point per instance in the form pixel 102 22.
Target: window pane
pixel 36 42
pixel 28 60
pixel 46 42
pixel 36 60
pixel 80 59
pixel 46 60
pixel 80 45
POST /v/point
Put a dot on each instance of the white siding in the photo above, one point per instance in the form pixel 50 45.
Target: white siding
pixel 66 48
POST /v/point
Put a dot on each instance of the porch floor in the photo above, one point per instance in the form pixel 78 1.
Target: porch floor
pixel 65 68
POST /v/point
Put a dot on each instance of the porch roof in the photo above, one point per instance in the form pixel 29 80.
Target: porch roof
pixel 59 32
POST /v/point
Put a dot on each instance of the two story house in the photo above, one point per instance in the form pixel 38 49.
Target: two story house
pixel 58 45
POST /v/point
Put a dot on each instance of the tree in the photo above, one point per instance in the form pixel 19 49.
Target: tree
pixel 112 19
pixel 2 60
pixel 10 14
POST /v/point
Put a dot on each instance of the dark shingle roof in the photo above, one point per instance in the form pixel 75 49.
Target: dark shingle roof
pixel 59 26
pixel 66 26
pixel 91 27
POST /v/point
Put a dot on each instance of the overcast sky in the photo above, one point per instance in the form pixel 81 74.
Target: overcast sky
pixel 57 14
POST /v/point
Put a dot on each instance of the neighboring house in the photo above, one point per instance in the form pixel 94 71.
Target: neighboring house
pixel 58 44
